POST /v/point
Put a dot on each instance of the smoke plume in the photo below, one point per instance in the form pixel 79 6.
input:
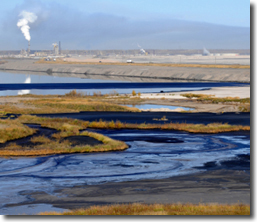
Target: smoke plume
pixel 23 23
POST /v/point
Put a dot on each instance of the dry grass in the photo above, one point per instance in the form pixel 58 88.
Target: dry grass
pixel 213 99
pixel 71 102
pixel 147 64
pixel 40 139
pixel 73 125
pixel 13 129
pixel 192 128
pixel 13 108
pixel 55 145
pixel 61 124
pixel 75 104
pixel 160 209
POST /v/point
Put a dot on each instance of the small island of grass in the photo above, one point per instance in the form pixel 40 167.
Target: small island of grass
pixel 57 143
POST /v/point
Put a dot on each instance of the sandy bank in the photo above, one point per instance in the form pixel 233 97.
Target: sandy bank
pixel 176 99
pixel 241 92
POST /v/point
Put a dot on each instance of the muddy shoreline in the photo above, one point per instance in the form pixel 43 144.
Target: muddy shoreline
pixel 222 186
pixel 220 181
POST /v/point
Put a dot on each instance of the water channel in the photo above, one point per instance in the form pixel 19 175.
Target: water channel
pixel 152 154
pixel 40 84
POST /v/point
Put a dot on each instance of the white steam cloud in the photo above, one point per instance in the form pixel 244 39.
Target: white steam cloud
pixel 23 23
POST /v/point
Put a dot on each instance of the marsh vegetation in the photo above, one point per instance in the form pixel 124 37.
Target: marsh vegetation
pixel 160 209
pixel 71 102
pixel 57 143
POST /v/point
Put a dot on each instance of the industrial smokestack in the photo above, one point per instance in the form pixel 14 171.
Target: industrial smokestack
pixel 28 48
pixel 60 47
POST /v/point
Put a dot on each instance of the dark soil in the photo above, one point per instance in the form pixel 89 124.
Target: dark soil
pixel 82 140
pixel 147 117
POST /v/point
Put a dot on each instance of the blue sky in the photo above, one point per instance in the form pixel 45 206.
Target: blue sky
pixel 225 12
pixel 147 21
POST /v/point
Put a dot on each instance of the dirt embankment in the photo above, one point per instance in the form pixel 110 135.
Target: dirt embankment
pixel 134 71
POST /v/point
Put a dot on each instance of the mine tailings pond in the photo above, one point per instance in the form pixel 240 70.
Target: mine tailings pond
pixel 152 154
pixel 19 84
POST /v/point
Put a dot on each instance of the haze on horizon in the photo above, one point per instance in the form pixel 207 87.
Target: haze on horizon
pixel 113 24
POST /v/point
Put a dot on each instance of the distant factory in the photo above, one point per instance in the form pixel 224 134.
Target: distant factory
pixel 57 48
pixel 55 52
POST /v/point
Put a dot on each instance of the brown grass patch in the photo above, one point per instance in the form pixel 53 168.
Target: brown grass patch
pixel 13 129
pixel 160 209
pixel 61 124
pixel 76 104
pixel 213 99
pixel 54 145
pixel 71 102
pixel 40 139
pixel 192 128
pixel 73 125
pixel 51 147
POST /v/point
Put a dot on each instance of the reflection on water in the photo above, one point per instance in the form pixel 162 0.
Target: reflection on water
pixel 24 92
pixel 6 78
pixel 57 85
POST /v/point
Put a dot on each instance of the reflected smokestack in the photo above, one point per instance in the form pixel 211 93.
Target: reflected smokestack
pixel 25 91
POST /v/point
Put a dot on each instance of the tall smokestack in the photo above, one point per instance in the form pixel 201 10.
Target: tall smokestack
pixel 60 47
pixel 28 48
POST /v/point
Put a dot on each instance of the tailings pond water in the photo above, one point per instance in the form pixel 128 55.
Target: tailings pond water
pixel 19 84
pixel 152 154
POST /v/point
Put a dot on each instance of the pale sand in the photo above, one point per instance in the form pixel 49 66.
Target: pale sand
pixel 241 92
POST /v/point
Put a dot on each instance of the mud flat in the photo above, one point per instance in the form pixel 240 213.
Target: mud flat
pixel 142 72
pixel 215 186
pixel 214 179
